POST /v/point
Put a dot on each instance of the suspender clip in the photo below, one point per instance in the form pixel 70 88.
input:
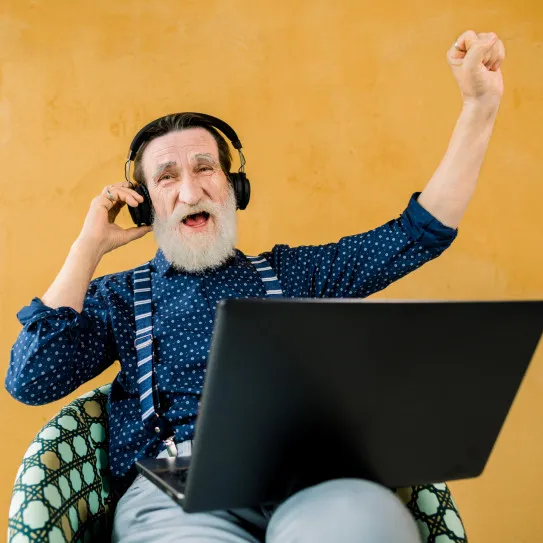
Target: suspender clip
pixel 165 432
pixel 171 447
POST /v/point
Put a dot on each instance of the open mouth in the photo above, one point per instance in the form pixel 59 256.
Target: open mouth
pixel 197 220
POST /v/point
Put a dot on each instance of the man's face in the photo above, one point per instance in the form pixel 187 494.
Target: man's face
pixel 194 204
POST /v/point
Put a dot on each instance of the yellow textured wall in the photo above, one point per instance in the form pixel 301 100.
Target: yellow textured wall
pixel 345 108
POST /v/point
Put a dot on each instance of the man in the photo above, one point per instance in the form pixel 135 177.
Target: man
pixel 79 327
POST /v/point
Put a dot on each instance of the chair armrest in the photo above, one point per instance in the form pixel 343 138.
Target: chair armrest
pixel 62 488
pixel 435 513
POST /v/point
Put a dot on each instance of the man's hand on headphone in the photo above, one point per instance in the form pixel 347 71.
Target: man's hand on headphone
pixel 99 229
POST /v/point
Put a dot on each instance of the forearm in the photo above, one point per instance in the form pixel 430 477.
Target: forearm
pixel 71 284
pixel 34 377
pixel 54 355
pixel 447 194
pixel 59 349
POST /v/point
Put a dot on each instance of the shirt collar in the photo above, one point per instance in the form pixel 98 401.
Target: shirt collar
pixel 163 266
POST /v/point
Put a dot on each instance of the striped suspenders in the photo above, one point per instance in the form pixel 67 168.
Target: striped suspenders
pixel 271 283
pixel 154 424
pixel 147 382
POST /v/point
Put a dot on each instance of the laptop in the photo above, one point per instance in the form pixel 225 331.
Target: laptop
pixel 298 392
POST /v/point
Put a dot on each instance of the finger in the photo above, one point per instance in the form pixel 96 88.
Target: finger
pixel 110 191
pixel 493 55
pixel 124 185
pixel 117 194
pixel 111 204
pixel 500 56
pixel 131 197
pixel 479 52
pixel 461 46
pixel 136 232
pixel 101 204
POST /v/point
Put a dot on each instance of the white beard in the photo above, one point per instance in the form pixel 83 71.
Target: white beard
pixel 199 251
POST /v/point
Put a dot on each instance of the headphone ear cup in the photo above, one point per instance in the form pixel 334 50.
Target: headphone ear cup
pixel 143 214
pixel 242 189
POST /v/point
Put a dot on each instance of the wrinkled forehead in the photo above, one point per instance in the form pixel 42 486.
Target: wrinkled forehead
pixel 181 146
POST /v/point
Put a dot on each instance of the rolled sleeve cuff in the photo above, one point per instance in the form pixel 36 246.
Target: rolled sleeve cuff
pixel 37 311
pixel 422 227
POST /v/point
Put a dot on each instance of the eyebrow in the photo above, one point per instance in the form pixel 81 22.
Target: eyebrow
pixel 207 157
pixel 164 166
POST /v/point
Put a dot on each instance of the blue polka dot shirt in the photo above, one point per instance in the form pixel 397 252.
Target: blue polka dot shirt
pixel 59 349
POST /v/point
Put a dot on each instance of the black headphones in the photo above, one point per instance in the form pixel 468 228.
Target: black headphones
pixel 143 214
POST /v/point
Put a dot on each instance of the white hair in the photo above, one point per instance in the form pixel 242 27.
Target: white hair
pixel 199 251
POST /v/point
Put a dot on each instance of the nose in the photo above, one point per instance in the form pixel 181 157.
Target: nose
pixel 190 190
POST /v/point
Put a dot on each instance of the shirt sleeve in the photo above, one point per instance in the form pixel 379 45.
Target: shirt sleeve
pixel 360 265
pixel 59 349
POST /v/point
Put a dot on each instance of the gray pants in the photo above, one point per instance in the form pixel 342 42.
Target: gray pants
pixel 338 511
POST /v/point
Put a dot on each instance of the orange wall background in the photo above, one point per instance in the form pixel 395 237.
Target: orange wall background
pixel 344 109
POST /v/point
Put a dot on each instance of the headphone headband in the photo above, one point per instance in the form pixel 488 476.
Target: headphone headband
pixel 197 119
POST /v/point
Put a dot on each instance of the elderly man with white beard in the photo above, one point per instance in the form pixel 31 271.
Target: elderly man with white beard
pixel 81 326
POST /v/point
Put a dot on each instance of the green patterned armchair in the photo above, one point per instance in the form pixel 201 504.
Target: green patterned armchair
pixel 62 488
